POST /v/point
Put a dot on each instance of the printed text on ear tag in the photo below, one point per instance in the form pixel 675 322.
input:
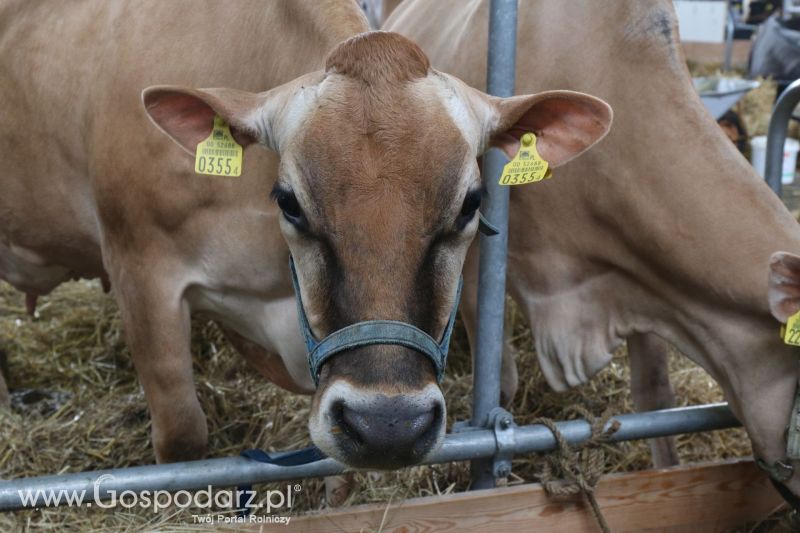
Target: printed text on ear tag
pixel 527 166
pixel 791 331
pixel 219 154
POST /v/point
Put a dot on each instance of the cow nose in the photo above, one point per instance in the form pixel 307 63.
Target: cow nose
pixel 388 432
pixel 386 428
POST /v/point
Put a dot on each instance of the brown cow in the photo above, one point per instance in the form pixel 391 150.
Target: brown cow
pixel 664 229
pixel 377 194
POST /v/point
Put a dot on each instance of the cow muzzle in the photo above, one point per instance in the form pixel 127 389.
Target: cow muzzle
pixel 370 428
pixel 367 429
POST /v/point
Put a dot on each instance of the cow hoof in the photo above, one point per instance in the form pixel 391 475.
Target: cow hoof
pixel 338 489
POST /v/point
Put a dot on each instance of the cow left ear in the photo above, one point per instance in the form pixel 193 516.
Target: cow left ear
pixel 784 285
pixel 187 115
pixel 565 123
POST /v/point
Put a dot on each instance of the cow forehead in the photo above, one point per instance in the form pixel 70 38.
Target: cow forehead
pixel 395 144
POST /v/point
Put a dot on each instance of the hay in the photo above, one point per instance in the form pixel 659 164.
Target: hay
pixel 85 409
pixel 755 108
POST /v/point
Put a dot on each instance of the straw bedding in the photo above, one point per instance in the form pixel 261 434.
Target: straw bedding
pixel 77 405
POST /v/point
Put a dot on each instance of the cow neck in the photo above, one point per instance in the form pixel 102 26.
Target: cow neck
pixel 698 227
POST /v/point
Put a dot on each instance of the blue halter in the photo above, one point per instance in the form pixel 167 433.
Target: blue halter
pixel 373 332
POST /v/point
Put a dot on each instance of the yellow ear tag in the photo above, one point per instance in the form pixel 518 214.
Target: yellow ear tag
pixel 527 166
pixel 219 154
pixel 791 331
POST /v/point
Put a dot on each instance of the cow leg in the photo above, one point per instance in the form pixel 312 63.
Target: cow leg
pixel 509 379
pixel 157 325
pixel 651 389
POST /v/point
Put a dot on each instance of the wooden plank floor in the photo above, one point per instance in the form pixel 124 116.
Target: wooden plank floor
pixel 707 498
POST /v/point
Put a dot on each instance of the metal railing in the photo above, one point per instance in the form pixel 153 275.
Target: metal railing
pixel 505 438
pixel 776 135
pixel 501 77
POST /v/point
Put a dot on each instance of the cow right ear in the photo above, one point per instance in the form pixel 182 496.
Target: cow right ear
pixel 566 123
pixel 187 115
pixel 784 285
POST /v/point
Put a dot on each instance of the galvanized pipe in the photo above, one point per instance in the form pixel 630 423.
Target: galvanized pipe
pixel 237 471
pixel 730 30
pixel 492 278
pixel 776 136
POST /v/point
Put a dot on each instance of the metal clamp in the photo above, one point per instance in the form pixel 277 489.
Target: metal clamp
pixel 502 424
pixel 505 438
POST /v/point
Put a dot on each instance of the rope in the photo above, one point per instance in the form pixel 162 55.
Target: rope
pixel 569 470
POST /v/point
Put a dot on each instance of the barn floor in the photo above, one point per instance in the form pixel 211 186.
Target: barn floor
pixel 77 406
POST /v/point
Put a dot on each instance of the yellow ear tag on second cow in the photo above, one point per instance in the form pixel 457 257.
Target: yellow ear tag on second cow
pixel 219 154
pixel 791 331
pixel 527 166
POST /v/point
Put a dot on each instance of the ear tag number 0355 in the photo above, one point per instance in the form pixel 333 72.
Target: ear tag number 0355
pixel 219 154
pixel 527 166
pixel 791 331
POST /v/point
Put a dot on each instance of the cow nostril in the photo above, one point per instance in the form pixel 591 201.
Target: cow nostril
pixel 340 416
pixel 357 425
pixel 437 414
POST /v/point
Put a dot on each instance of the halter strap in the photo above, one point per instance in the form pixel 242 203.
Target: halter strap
pixel 370 332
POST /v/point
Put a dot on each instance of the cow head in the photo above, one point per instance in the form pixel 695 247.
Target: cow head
pixel 379 189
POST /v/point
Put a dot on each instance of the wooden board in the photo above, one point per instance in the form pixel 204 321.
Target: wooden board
pixel 709 497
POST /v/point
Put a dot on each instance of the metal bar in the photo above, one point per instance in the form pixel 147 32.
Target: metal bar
pixel 492 279
pixel 102 485
pixel 730 30
pixel 776 136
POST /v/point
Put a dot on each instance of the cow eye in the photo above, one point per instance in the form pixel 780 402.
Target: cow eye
pixel 472 202
pixel 290 207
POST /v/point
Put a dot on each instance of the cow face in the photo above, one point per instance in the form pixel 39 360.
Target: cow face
pixel 379 190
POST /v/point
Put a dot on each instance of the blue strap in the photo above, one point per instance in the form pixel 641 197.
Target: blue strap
pixel 295 458
pixel 372 332
pixel 486 227
pixel 377 332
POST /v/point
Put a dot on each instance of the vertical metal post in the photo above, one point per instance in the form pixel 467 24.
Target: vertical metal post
pixel 492 279
pixel 730 30
pixel 776 136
